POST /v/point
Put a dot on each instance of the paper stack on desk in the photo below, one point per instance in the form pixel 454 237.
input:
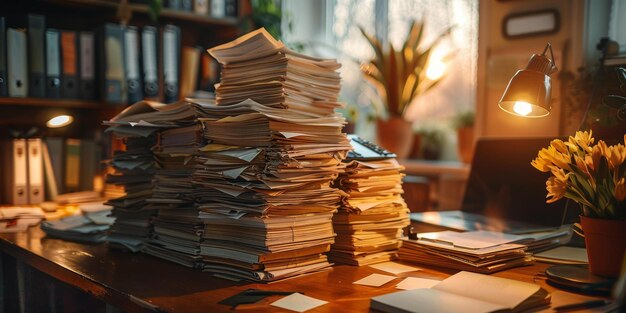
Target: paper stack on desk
pixel 91 225
pixel 264 179
pixel 370 221
pixel 479 251
pixel 16 219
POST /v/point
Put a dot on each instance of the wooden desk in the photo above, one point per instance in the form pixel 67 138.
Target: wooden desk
pixel 142 283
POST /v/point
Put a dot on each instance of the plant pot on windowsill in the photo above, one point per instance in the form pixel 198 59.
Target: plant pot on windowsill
pixel 395 135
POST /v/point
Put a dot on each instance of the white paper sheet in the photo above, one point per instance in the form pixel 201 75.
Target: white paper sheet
pixel 394 268
pixel 298 302
pixel 375 280
pixel 411 283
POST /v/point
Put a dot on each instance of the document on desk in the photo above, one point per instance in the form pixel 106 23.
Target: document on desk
pixel 459 293
pixel 298 302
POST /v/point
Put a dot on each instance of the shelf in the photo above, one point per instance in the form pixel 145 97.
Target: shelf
pixel 57 103
pixel 143 9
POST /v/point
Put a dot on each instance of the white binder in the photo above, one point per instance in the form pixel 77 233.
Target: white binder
pixel 35 171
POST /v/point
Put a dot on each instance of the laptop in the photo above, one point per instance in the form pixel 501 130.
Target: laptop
pixel 504 192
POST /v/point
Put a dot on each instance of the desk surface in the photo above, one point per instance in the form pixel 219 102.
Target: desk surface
pixel 139 282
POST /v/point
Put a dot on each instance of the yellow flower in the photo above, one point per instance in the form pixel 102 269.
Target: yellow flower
pixel 560 146
pixel 583 139
pixel 620 190
pixel 556 189
pixel 604 149
pixel 541 164
pixel 582 165
pixel 593 160
pixel 551 155
pixel 616 156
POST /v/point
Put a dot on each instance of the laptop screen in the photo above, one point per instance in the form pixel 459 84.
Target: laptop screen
pixel 503 184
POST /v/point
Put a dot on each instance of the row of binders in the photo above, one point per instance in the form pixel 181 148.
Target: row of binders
pixel 116 64
pixel 37 169
pixel 214 8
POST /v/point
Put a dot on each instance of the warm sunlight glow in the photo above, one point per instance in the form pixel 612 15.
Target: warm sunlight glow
pixel 522 108
pixel 60 121
pixel 435 70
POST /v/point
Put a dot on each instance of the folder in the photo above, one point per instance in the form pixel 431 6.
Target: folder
pixel 53 63
pixel 218 8
pixel 35 171
pixel 201 7
pixel 15 172
pixel 36 58
pixel 4 91
pixel 69 68
pixel 171 57
pixel 50 179
pixel 113 82
pixel 209 73
pixel 72 165
pixel 17 62
pixel 174 4
pixel 87 64
pixel 131 64
pixel 186 5
pixel 89 160
pixel 189 71
pixel 56 151
pixel 149 58
pixel 231 8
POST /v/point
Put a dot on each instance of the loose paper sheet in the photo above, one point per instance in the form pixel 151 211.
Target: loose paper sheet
pixel 411 283
pixel 298 302
pixel 375 280
pixel 394 268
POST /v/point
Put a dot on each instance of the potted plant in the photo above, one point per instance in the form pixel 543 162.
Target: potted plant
pixel 431 141
pixel 594 176
pixel 463 122
pixel 399 76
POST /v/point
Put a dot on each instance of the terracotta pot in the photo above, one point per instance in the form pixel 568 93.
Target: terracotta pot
pixel 395 135
pixel 465 144
pixel 606 244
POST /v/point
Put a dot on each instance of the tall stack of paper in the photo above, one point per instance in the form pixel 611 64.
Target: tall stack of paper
pixel 263 182
pixel 370 221
pixel 135 169
pixel 478 251
pixel 174 134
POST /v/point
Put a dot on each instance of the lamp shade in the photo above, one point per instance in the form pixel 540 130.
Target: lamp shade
pixel 528 92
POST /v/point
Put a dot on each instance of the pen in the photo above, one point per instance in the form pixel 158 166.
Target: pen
pixel 581 305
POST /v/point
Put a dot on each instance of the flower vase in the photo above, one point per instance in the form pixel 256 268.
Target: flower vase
pixel 395 135
pixel 605 240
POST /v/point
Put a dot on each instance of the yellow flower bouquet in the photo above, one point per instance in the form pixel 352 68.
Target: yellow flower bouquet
pixel 591 175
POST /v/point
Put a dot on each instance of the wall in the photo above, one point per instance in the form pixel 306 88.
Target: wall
pixel 499 58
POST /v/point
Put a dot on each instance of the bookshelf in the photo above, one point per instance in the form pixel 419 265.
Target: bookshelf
pixel 26 116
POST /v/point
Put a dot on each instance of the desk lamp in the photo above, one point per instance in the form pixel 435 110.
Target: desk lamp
pixel 528 95
pixel 528 92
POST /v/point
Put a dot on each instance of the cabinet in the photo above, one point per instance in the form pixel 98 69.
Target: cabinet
pixel 26 116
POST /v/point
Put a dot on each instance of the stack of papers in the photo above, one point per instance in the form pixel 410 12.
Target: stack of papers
pixel 479 251
pixel 16 219
pixel 173 228
pixel 135 168
pixel 89 226
pixel 274 145
pixel 370 221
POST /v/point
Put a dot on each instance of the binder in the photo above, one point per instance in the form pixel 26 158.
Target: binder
pixel 149 58
pixel 4 91
pixel 35 171
pixel 231 8
pixel 174 4
pixel 87 64
pixel 72 165
pixel 186 5
pixel 131 64
pixel 113 82
pixel 171 57
pixel 15 172
pixel 69 73
pixel 56 151
pixel 17 62
pixel 53 63
pixel 189 66
pixel 201 7
pixel 89 159
pixel 36 58
pixel 218 8
pixel 209 72
pixel 50 179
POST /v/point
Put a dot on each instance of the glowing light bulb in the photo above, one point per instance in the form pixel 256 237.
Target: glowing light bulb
pixel 435 70
pixel 60 121
pixel 522 108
